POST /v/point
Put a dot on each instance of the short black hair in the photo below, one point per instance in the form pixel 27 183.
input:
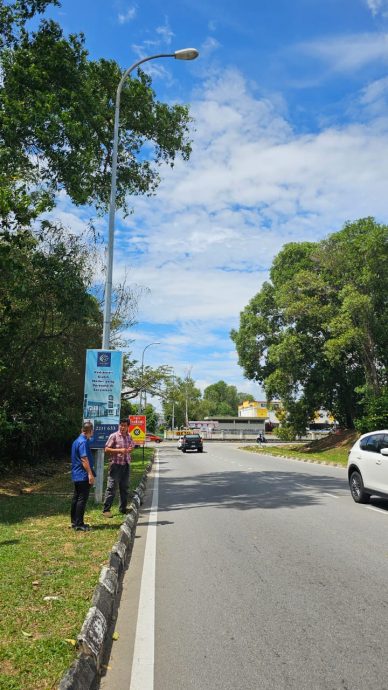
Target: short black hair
pixel 124 420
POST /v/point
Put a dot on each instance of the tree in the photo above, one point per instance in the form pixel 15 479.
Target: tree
pixel 222 398
pixel 318 330
pixel 56 122
pixel 56 131
pixel 47 320
pixel 183 395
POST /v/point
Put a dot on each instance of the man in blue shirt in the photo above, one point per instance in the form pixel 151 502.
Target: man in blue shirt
pixel 82 474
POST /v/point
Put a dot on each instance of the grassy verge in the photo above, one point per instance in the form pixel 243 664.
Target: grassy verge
pixel 40 556
pixel 332 450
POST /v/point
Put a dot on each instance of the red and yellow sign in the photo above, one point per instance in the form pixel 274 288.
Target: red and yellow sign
pixel 137 428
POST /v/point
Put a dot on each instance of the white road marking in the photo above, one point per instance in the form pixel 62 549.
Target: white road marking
pixel 377 510
pixel 331 495
pixel 142 676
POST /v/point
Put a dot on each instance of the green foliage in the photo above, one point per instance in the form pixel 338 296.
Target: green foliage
pixel 56 131
pixel 375 411
pixel 57 106
pixel 286 432
pixel 47 320
pixel 222 398
pixel 219 399
pixel 319 330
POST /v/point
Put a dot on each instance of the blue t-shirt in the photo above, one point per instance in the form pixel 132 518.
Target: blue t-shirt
pixel 80 449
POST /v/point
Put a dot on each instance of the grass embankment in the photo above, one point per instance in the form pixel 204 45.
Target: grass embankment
pixel 40 556
pixel 332 450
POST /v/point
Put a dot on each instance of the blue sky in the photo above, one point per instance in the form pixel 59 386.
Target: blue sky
pixel 290 140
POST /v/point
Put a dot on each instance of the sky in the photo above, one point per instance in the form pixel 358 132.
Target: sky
pixel 290 141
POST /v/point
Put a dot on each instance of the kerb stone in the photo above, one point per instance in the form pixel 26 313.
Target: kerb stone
pixel 93 632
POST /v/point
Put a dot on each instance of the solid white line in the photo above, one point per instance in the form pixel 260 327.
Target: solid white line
pixel 142 676
pixel 377 510
pixel 331 495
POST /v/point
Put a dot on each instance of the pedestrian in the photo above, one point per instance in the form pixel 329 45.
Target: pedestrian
pixel 118 447
pixel 82 474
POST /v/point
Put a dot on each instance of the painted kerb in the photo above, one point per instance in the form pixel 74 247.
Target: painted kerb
pixel 93 640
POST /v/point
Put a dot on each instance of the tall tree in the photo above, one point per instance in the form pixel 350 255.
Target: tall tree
pixel 317 332
pixel 222 398
pixel 56 122
pixel 47 320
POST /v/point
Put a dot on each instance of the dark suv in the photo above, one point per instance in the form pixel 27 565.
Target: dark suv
pixel 192 442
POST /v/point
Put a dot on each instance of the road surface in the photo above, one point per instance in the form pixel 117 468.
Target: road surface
pixel 251 572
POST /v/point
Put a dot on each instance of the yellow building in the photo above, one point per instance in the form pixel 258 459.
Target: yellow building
pixel 259 409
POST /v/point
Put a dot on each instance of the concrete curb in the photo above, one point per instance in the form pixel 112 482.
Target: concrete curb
pixel 93 638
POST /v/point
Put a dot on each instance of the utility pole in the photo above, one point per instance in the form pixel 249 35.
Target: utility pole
pixel 187 378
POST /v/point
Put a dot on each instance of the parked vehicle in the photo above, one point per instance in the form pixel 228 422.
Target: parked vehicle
pixel 192 442
pixel 368 466
pixel 153 437
pixel 261 438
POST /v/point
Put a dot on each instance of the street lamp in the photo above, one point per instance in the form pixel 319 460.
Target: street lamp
pixel 142 376
pixel 184 54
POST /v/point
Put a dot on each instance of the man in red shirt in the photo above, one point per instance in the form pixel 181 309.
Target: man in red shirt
pixel 119 447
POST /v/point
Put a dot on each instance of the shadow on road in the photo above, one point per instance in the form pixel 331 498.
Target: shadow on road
pixel 247 490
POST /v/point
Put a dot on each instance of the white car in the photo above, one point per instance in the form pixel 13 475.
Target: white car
pixel 368 466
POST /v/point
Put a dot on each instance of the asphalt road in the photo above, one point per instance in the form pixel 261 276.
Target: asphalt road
pixel 265 574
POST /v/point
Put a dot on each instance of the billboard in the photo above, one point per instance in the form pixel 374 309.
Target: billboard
pixel 102 393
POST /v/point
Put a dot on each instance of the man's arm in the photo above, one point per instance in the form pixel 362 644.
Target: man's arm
pixel 86 466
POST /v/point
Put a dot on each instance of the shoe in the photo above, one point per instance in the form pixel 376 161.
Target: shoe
pixel 83 528
pixel 107 513
pixel 124 512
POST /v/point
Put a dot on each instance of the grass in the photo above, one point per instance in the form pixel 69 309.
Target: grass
pixel 40 556
pixel 332 450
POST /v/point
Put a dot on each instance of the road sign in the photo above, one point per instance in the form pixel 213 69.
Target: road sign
pixel 137 428
pixel 102 393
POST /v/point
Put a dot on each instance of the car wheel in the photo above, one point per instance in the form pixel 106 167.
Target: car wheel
pixel 357 488
pixel 157 440
pixel 183 450
pixel 199 450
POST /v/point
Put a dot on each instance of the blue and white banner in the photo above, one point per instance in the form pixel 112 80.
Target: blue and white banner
pixel 102 393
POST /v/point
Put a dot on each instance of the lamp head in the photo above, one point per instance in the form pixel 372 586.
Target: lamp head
pixel 186 54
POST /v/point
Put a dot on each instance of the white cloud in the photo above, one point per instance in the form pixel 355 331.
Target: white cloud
pixel 348 52
pixel 165 32
pixel 378 6
pixel 125 17
pixel 205 243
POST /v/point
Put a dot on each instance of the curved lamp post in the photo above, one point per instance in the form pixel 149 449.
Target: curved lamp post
pixel 184 54
pixel 142 376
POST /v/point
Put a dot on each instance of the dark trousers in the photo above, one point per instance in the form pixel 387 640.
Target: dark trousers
pixel 78 503
pixel 118 475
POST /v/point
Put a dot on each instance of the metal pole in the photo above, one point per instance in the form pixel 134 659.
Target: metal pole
pixel 188 54
pixel 142 379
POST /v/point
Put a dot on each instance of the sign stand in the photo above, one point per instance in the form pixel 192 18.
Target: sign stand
pixel 137 429
pixel 102 400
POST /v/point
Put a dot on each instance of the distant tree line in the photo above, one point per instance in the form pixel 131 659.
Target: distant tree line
pixel 316 335
pixel 186 401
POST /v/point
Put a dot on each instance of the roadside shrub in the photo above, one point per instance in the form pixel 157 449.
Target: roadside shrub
pixel 287 432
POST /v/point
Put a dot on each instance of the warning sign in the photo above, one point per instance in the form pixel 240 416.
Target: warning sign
pixel 137 428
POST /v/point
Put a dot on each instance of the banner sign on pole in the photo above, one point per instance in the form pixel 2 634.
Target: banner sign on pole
pixel 102 393
pixel 137 428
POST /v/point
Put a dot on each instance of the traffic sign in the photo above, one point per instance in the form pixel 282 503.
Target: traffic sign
pixel 137 428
